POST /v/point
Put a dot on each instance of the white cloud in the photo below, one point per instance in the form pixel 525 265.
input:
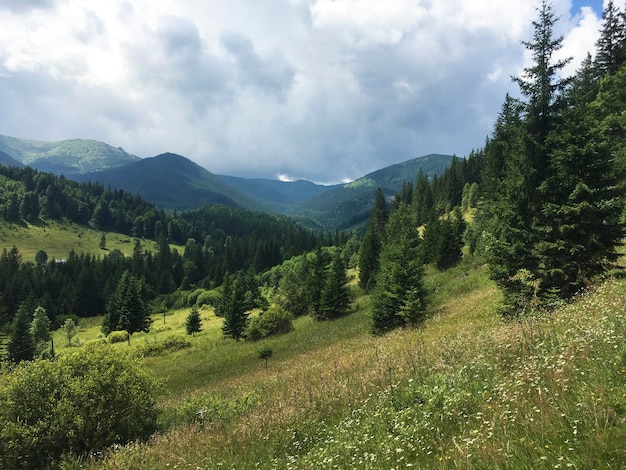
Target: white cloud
pixel 326 90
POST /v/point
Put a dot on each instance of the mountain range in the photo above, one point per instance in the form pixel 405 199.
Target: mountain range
pixel 173 182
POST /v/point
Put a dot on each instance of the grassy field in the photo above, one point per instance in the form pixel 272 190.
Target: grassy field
pixel 465 390
pixel 58 239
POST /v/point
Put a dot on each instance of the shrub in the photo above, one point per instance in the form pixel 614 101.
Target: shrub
pixel 207 297
pixel 273 322
pixel 117 337
pixel 85 401
pixel 173 343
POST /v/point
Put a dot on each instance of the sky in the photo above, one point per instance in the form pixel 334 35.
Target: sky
pixel 322 90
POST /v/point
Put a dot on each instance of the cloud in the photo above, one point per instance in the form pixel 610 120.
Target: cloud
pixel 325 90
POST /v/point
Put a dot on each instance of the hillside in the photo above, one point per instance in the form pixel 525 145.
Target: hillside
pixel 171 181
pixel 68 157
pixel 278 196
pixel 8 161
pixel 464 390
pixel 348 206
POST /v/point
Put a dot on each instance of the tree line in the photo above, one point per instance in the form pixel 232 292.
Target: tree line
pixel 547 189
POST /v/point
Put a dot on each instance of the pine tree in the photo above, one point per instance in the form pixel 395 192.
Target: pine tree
pixel 518 221
pixel 611 46
pixel 40 330
pixel 193 322
pixel 372 240
pixel 316 279
pixel 335 299
pixel 126 309
pixel 399 297
pixel 21 346
pixel 231 308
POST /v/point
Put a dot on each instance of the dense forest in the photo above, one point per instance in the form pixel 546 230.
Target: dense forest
pixel 216 240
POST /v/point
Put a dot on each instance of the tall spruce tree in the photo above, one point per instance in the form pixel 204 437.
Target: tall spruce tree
pixel 611 46
pixel 372 241
pixel 21 346
pixel 335 299
pixel 126 309
pixel 399 296
pixel 519 222
pixel 193 322
pixel 231 307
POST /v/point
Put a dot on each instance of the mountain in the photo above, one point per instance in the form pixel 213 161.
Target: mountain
pixel 348 206
pixel 278 196
pixel 8 161
pixel 172 181
pixel 68 157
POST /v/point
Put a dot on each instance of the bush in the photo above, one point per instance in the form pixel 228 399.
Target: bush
pixel 208 297
pixel 273 322
pixel 117 337
pixel 85 401
pixel 173 343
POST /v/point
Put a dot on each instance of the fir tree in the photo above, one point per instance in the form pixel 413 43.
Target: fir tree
pixel 399 297
pixel 21 346
pixel 335 299
pixel 126 310
pixel 517 218
pixel 193 322
pixel 232 309
pixel 372 240
pixel 40 330
pixel 611 46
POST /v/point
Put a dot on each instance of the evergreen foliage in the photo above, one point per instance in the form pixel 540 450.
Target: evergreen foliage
pixel 193 322
pixel 335 296
pixel 126 309
pixel 399 297
pixel 40 330
pixel 21 346
pixel 232 308
pixel 552 182
pixel 372 241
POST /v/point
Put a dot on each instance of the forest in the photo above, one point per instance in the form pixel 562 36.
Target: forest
pixel 541 205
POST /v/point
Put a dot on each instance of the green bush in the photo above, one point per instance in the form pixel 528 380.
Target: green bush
pixel 207 297
pixel 117 337
pixel 85 401
pixel 275 321
pixel 172 343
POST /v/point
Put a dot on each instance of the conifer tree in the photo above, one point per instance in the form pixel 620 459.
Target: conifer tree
pixel 372 240
pixel 518 222
pixel 611 46
pixel 40 330
pixel 335 299
pixel 21 346
pixel 232 308
pixel 193 322
pixel 399 297
pixel 126 309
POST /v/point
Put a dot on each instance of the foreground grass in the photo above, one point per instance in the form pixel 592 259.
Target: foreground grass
pixel 465 390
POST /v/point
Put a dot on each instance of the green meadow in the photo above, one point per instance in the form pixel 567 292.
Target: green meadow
pixel 464 390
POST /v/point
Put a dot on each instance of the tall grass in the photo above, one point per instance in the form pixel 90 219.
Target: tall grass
pixel 465 390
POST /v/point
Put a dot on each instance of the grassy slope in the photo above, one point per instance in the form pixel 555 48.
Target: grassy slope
pixel 465 390
pixel 58 239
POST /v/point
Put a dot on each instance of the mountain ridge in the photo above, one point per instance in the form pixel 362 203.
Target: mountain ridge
pixel 174 182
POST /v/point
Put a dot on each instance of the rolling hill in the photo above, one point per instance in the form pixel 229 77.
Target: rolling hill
pixel 348 206
pixel 171 182
pixel 68 157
